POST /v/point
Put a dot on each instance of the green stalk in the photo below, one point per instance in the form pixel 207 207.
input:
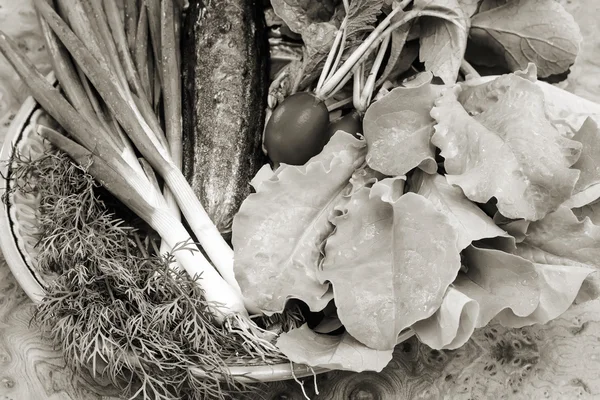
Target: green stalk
pixel 153 13
pixel 66 74
pixel 367 92
pixel 131 20
pixel 85 28
pixel 81 96
pixel 178 12
pixel 380 33
pixel 468 70
pixel 122 48
pixel 336 49
pixel 356 57
pixel 145 109
pixel 358 86
pixel 172 92
pixel 153 7
pixel 95 7
pixel 54 103
pixel 101 117
pixel 141 56
pixel 171 82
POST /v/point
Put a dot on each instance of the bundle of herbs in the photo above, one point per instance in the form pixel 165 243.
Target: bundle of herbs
pixel 116 308
pixel 111 189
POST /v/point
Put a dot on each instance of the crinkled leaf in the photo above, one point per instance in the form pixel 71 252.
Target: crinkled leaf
pixel 476 98
pixel 559 285
pixel 497 281
pixel 562 107
pixel 587 188
pixel 390 261
pixel 452 324
pixel 363 177
pixel 587 196
pixel 443 41
pixel 561 239
pixel 551 42
pixel 508 150
pixel 591 211
pixel 279 230
pixel 469 221
pixel 303 346
pixel 398 130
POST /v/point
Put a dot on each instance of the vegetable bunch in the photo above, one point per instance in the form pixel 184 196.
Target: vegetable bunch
pixel 119 78
pixel 460 203
pixel 426 207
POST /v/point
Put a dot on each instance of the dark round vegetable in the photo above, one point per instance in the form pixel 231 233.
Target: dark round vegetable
pixel 351 123
pixel 297 129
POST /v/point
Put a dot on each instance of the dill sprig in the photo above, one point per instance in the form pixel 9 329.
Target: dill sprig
pixel 116 308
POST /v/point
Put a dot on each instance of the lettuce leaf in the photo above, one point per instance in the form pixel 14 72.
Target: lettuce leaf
pixel 304 346
pixel 497 281
pixel 591 211
pixel 452 324
pixel 559 286
pixel 563 108
pixel 390 261
pixel 506 148
pixel 502 288
pixel 398 130
pixel 469 221
pixel 587 188
pixel 279 230
pixel 560 239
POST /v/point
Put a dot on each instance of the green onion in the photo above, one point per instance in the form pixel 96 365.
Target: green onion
pixel 144 139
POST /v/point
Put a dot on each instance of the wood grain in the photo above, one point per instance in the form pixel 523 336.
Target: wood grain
pixel 559 360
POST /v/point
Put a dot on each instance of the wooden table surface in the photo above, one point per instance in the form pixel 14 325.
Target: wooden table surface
pixel 560 360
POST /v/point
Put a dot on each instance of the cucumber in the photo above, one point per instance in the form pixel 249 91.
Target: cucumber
pixel 225 55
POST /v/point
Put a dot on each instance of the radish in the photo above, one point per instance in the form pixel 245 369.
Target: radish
pixel 350 123
pixel 297 129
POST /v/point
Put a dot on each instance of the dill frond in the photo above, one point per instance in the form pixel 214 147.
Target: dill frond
pixel 116 309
